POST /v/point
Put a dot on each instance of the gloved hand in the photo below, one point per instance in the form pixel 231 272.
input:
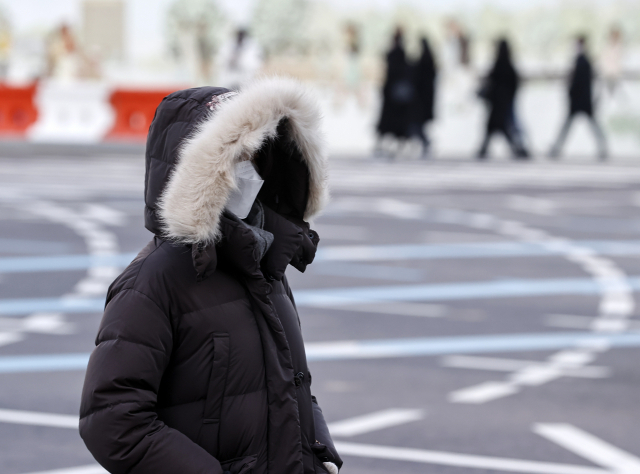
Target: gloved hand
pixel 332 468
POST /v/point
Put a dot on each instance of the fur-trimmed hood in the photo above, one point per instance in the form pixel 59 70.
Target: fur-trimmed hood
pixel 197 137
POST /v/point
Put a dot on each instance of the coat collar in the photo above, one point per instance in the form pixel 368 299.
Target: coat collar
pixel 294 243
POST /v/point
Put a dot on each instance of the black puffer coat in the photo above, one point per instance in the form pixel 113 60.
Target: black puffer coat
pixel 580 94
pixel 200 366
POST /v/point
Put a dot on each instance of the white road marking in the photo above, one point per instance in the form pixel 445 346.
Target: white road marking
pixel 89 223
pixel 44 323
pixel 90 469
pixel 534 205
pixel 512 365
pixel 374 421
pixel 20 417
pixel 616 304
pixel 571 321
pixel 10 338
pixel 590 447
pixel 422 310
pixel 484 392
pixel 461 460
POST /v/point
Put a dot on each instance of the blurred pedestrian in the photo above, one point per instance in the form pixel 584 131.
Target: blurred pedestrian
pixel 240 60
pixel 353 67
pixel 398 93
pixel 499 90
pixel 611 61
pixel 424 83
pixel 63 58
pixel 5 47
pixel 457 46
pixel 581 101
pixel 200 364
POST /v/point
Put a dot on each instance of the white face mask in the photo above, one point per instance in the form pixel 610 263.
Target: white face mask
pixel 249 184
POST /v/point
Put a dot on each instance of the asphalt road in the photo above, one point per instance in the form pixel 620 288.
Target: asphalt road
pixel 460 318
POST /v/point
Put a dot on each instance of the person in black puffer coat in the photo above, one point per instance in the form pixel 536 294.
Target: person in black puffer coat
pixel 499 90
pixel 581 101
pixel 199 365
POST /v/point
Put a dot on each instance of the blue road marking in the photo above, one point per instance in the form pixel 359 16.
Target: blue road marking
pixel 371 349
pixel 466 250
pixel 462 345
pixel 452 291
pixel 18 307
pixel 356 295
pixel 43 363
pixel 342 254
pixel 62 262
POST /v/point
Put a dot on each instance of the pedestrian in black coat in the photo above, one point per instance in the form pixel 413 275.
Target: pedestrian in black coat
pixel 499 90
pixel 397 93
pixel 424 82
pixel 581 101
pixel 200 365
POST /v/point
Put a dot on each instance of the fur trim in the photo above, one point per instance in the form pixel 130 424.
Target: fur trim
pixel 198 189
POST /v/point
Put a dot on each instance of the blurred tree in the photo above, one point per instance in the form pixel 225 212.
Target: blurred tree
pixel 194 32
pixel 280 26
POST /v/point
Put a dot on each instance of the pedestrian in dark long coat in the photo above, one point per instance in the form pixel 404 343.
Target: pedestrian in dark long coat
pixel 424 82
pixel 499 90
pixel 581 101
pixel 200 365
pixel 398 92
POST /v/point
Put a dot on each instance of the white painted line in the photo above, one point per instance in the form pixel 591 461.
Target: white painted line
pixel 342 232
pixel 537 375
pixel 421 310
pixel 10 338
pixel 90 469
pixel 569 321
pixel 20 417
pixel 461 460
pixel 589 447
pixel 533 205
pixel 483 392
pixel 485 363
pixel 374 421
pixel 513 365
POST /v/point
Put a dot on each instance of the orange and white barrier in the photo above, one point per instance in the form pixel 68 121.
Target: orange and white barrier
pixel 77 112
pixel 72 112
pixel 17 110
pixel 134 111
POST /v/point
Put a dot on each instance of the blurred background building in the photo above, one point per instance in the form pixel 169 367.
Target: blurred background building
pixel 339 46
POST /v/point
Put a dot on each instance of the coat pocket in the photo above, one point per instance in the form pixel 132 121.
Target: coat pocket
pixel 319 466
pixel 242 465
pixel 209 432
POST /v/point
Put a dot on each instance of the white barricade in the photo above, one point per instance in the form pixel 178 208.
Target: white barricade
pixel 72 112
